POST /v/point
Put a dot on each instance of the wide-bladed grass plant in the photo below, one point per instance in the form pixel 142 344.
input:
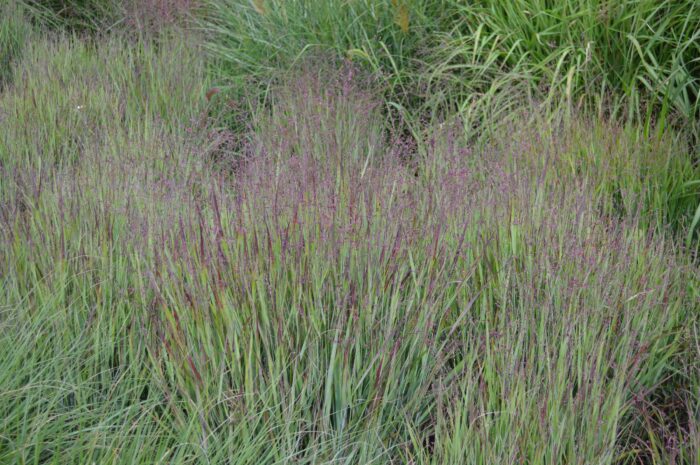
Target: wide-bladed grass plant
pixel 626 57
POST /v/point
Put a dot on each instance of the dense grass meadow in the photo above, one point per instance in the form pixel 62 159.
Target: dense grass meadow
pixel 350 232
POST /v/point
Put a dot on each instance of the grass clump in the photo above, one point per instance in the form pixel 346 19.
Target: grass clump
pixel 327 300
pixel 325 281
pixel 624 57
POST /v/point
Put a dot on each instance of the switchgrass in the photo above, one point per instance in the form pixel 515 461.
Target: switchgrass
pixel 341 292
pixel 83 125
pixel 631 62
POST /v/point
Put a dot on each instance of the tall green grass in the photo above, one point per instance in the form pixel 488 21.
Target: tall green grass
pixel 15 30
pixel 254 39
pixel 630 57
pixel 82 16
pixel 338 295
pixel 98 17
pixel 85 122
pixel 636 58
pixel 323 284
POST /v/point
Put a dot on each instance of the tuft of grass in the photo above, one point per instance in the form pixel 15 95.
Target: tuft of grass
pixel 343 294
pixel 635 58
